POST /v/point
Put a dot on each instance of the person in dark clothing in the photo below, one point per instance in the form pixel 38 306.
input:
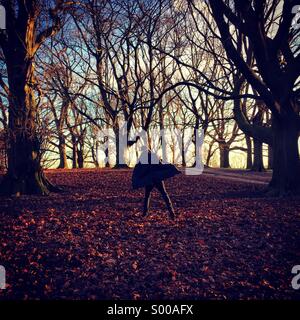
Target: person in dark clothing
pixel 150 173
pixel 160 186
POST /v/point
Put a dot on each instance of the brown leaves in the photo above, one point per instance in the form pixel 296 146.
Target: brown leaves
pixel 135 265
pixel 91 242
pixel 110 262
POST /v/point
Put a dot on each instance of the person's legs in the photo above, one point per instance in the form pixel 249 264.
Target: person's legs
pixel 161 188
pixel 148 190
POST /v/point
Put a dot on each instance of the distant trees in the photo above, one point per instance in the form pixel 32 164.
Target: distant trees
pixel 229 68
pixel 127 76
pixel 57 74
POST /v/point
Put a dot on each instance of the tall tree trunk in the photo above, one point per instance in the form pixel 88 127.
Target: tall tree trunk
pixel 209 152
pixel 107 164
pixel 224 155
pixel 80 158
pixel 270 157
pixel 63 162
pixel 249 152
pixel 120 150
pixel 106 150
pixel 286 167
pixel 183 151
pixel 80 153
pixel 198 156
pixel 163 141
pixel 74 152
pixel 19 44
pixel 95 154
pixel 258 164
pixel 270 149
pixel 24 175
pixel 3 151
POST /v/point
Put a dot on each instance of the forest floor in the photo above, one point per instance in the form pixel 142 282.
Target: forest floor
pixel 90 242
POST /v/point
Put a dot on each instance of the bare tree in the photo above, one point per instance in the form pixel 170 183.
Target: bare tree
pixel 29 24
pixel 266 27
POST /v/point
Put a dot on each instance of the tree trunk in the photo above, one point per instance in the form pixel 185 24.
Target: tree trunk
pixel 74 153
pixel 163 141
pixel 286 168
pixel 249 152
pixel 258 164
pixel 80 157
pixel 3 151
pixel 270 157
pixel 198 156
pixel 107 164
pixel 95 154
pixel 224 155
pixel 63 162
pixel 19 44
pixel 120 151
pixel 183 151
pixel 24 175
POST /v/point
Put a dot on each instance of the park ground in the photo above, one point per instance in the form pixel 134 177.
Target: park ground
pixel 91 242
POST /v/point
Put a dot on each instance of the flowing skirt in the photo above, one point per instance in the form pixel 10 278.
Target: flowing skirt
pixel 148 174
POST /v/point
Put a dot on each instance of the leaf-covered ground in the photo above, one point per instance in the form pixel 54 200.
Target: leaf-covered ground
pixel 91 242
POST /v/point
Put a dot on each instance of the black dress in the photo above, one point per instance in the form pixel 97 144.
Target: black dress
pixel 150 174
pixel 153 172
